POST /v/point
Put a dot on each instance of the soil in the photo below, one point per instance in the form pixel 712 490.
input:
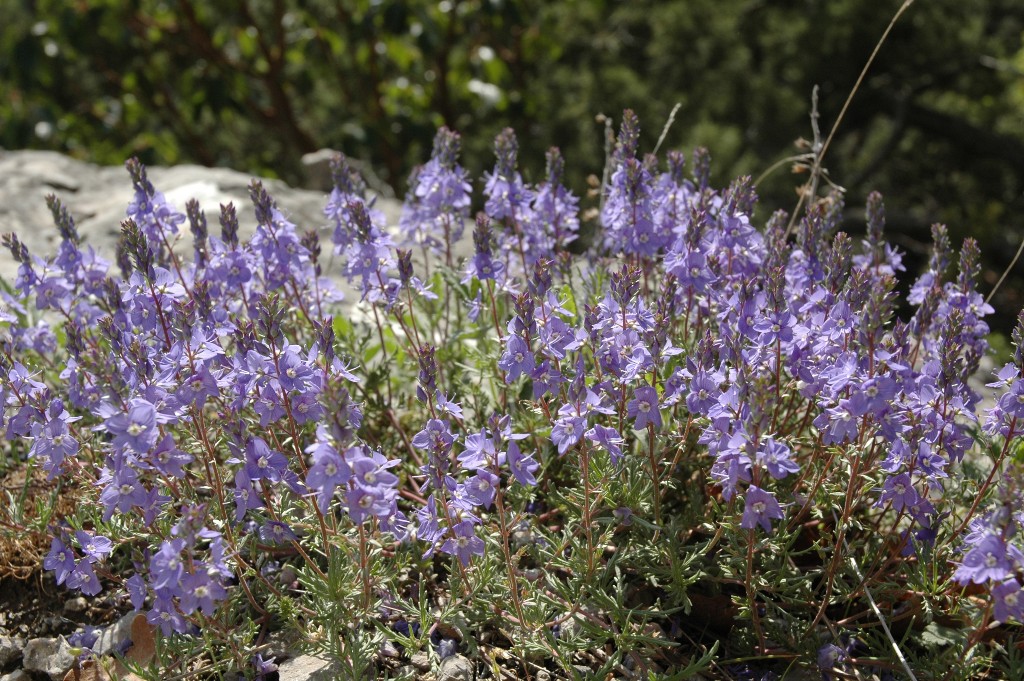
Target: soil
pixel 34 607
pixel 32 604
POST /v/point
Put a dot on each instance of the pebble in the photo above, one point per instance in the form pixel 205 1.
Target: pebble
pixel 421 661
pixel 16 675
pixel 456 668
pixel 309 668
pixel 10 650
pixel 50 657
pixel 280 644
pixel 75 606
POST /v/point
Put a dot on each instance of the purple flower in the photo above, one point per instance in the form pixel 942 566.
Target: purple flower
pixel 246 496
pixel 465 542
pixel 829 656
pixel 644 408
pixel 775 456
pixel 991 560
pixel 689 267
pixel 198 388
pixel 900 491
pixel 137 591
pixel 439 197
pixel 201 591
pixel 517 358
pixel 437 440
pixel 54 443
pixel 760 508
pixel 136 429
pixel 703 393
pixel 60 559
pixel 95 547
pixel 369 475
pixel 263 667
pixel 507 195
pixel 123 491
pixel 85 637
pixel 84 578
pixel 483 488
pixel 362 503
pixel 166 568
pixel 1012 401
pixel 479 452
pixel 609 439
pixel 269 405
pixel 168 459
pixel 263 463
pixel 521 465
pixel 546 379
pixel 436 437
pixel 1008 602
pixel 328 472
pixel 275 532
pixel 567 431
pixel 554 214
pixel 166 616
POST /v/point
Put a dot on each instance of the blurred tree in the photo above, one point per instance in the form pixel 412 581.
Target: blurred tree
pixel 938 125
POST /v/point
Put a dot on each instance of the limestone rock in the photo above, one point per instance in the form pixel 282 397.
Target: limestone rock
pixel 115 637
pixel 97 197
pixel 308 668
pixel 10 651
pixel 16 675
pixel 50 657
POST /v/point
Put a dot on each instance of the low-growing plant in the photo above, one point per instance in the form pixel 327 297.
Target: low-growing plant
pixel 700 447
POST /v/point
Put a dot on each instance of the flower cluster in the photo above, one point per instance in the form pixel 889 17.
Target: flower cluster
pixel 228 427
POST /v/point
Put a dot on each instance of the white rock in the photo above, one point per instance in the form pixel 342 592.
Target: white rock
pixel 112 637
pixel 309 668
pixel 49 657
pixel 10 650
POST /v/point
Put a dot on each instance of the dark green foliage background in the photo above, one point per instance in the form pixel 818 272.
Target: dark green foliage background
pixel 938 126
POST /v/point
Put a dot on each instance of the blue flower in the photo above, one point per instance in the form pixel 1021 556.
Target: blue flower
pixel 644 408
pixel 761 508
pixel 465 543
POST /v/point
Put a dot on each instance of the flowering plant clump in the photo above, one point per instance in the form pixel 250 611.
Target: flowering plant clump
pixel 704 445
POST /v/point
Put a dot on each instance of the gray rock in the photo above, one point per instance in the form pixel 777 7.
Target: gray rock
pixel 309 668
pixel 280 644
pixel 97 197
pixel 75 605
pixel 421 661
pixel 49 657
pixel 114 637
pixel 405 672
pixel 317 168
pixel 16 675
pixel 10 650
pixel 455 668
